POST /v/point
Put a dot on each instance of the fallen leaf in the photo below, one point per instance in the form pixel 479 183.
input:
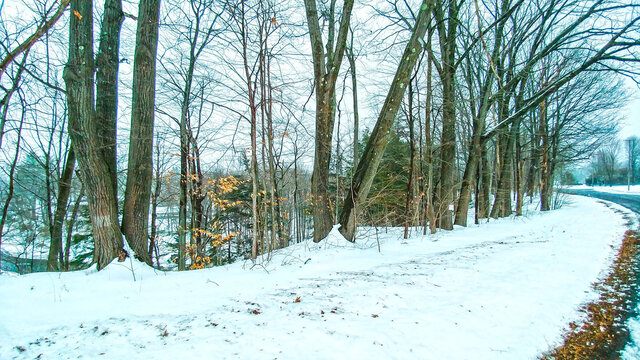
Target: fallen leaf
pixel 297 300
pixel 77 14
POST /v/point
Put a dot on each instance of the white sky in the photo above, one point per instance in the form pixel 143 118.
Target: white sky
pixel 631 122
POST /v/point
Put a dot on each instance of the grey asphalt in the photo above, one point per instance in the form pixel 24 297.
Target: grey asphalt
pixel 631 202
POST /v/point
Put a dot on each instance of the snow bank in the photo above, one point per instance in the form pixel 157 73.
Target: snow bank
pixel 502 290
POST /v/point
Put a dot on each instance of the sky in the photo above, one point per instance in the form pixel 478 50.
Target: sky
pixel 631 122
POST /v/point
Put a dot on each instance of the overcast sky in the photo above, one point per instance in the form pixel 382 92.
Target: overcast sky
pixel 631 125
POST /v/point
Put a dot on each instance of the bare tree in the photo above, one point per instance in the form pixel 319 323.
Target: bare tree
pixel 326 65
pixel 368 165
pixel 135 221
pixel 84 128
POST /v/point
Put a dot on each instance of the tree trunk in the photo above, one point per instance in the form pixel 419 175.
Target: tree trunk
pixel 83 130
pixel 409 210
pixel 429 212
pixel 356 118
pixel 72 221
pixel 448 143
pixel 502 202
pixel 197 197
pixel 253 164
pixel 368 165
pixel 519 168
pixel 10 189
pixel 484 190
pixel 64 189
pixel 545 186
pixel 153 237
pixel 107 62
pixel 135 221
pixel 326 69
pixel 184 183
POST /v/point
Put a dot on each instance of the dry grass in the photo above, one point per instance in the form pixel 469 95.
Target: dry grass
pixel 602 335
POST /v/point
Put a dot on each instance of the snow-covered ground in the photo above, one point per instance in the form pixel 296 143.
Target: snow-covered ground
pixel 502 290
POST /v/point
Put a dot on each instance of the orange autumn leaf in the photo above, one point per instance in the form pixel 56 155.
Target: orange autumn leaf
pixel 76 13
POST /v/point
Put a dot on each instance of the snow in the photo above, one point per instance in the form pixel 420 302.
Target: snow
pixel 501 290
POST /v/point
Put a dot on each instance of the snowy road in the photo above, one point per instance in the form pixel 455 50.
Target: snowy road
pixel 502 290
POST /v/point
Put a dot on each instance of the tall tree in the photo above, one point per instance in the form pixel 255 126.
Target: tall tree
pixel 372 154
pixel 84 130
pixel 107 63
pixel 351 56
pixel 326 66
pixel 447 27
pixel 135 221
pixel 64 190
pixel 480 108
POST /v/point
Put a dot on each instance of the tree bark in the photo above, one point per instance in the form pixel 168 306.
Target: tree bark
pixel 107 63
pixel 368 165
pixel 83 130
pixel 325 76
pixel 429 212
pixel 545 186
pixel 197 197
pixel 356 117
pixel 72 221
pixel 410 202
pixel 155 195
pixel 447 72
pixel 502 202
pixel 64 189
pixel 485 185
pixel 140 172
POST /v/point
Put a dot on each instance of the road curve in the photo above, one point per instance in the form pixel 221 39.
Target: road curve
pixel 631 202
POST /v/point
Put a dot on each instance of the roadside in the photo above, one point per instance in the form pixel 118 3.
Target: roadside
pixel 603 334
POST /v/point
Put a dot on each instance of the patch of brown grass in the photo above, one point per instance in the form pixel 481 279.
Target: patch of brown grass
pixel 603 334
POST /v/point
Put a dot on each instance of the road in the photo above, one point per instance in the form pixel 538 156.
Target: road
pixel 631 202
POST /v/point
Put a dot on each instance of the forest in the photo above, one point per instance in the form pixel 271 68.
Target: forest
pixel 191 134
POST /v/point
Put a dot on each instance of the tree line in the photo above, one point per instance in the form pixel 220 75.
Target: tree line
pixel 198 132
